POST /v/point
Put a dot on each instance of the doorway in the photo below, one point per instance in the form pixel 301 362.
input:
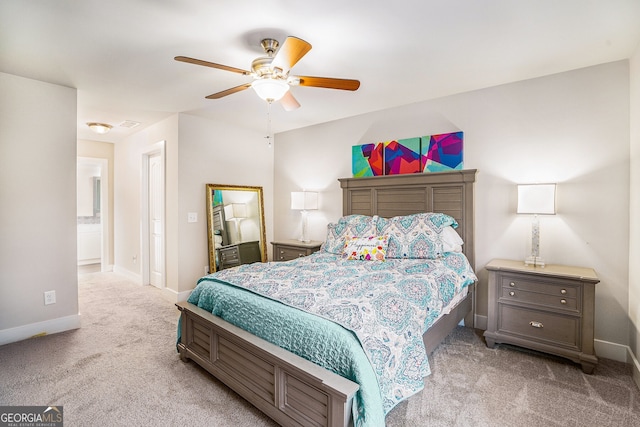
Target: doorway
pixel 92 214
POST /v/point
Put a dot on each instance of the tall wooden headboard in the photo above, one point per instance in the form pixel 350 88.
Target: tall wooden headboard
pixel 387 196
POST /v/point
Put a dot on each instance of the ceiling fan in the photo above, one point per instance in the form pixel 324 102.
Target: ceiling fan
pixel 271 79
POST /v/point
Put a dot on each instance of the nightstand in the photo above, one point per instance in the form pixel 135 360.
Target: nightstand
pixel 548 309
pixel 285 250
pixel 239 253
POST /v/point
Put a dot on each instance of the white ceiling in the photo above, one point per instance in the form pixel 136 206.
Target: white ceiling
pixel 119 53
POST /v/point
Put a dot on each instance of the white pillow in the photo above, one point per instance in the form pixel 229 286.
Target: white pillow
pixel 451 240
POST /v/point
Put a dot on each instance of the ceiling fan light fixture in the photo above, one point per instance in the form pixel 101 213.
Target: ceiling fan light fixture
pixel 100 128
pixel 270 89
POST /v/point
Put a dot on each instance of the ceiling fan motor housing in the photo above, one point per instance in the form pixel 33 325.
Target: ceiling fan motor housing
pixel 262 68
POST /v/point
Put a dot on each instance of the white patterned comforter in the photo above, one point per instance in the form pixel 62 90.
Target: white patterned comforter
pixel 388 305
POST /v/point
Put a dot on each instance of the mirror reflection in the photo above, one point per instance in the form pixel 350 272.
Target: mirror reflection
pixel 235 226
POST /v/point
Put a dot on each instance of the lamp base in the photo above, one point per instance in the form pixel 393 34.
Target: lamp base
pixel 535 261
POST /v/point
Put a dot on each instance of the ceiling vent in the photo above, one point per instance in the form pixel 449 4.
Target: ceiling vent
pixel 129 124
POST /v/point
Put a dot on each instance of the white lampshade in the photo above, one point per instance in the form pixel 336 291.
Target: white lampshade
pixel 235 211
pixel 270 89
pixel 100 128
pixel 304 200
pixel 537 199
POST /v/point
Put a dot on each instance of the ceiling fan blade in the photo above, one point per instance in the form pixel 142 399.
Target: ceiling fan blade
pixel 233 90
pixel 211 64
pixel 291 51
pixel 329 83
pixel 289 102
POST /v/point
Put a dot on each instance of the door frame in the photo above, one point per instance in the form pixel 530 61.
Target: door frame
pixel 156 149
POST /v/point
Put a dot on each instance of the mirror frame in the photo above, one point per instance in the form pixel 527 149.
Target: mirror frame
pixel 210 231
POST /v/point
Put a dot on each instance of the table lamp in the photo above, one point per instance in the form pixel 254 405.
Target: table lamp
pixel 236 212
pixel 536 199
pixel 304 201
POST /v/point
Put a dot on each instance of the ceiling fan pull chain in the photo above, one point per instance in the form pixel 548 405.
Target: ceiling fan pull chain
pixel 269 137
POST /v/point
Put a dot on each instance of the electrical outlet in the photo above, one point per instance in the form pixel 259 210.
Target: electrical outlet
pixel 192 217
pixel 49 297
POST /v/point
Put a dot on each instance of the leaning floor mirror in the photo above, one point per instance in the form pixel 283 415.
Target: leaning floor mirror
pixel 235 226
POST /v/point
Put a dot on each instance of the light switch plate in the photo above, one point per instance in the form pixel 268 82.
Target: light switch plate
pixel 192 217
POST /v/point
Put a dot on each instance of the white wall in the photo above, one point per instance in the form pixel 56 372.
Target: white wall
pixel 38 214
pixel 214 152
pixel 198 151
pixel 634 225
pixel 570 128
pixel 127 194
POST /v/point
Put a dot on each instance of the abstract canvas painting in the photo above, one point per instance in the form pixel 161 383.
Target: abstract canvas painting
pixel 431 153
pixel 442 152
pixel 402 156
pixel 367 159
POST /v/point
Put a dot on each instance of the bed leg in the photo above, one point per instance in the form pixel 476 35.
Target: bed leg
pixel 470 318
pixel 182 350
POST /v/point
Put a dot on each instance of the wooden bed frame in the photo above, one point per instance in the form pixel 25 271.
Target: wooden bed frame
pixel 289 389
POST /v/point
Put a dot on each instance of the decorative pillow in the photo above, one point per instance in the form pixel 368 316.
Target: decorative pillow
pixel 415 236
pixel 351 225
pixel 372 248
pixel 451 240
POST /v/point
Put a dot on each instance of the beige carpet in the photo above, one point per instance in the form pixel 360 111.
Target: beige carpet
pixel 121 368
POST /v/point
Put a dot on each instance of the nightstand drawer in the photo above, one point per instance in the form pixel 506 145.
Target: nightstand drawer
pixel 527 284
pixel 286 254
pixel 542 299
pixel 229 256
pixel 288 250
pixel 554 329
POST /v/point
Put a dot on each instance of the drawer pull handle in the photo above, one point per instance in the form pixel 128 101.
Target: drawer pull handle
pixel 536 324
pixel 563 291
pixel 563 301
pixel 512 293
pixel 512 284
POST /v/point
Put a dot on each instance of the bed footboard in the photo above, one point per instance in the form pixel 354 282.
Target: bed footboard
pixel 289 389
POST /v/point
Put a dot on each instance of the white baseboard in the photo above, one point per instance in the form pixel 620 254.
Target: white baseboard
pixel 33 330
pixel 135 277
pixel 169 294
pixel 636 368
pixel 613 351
pixel 174 296
pixel 480 322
